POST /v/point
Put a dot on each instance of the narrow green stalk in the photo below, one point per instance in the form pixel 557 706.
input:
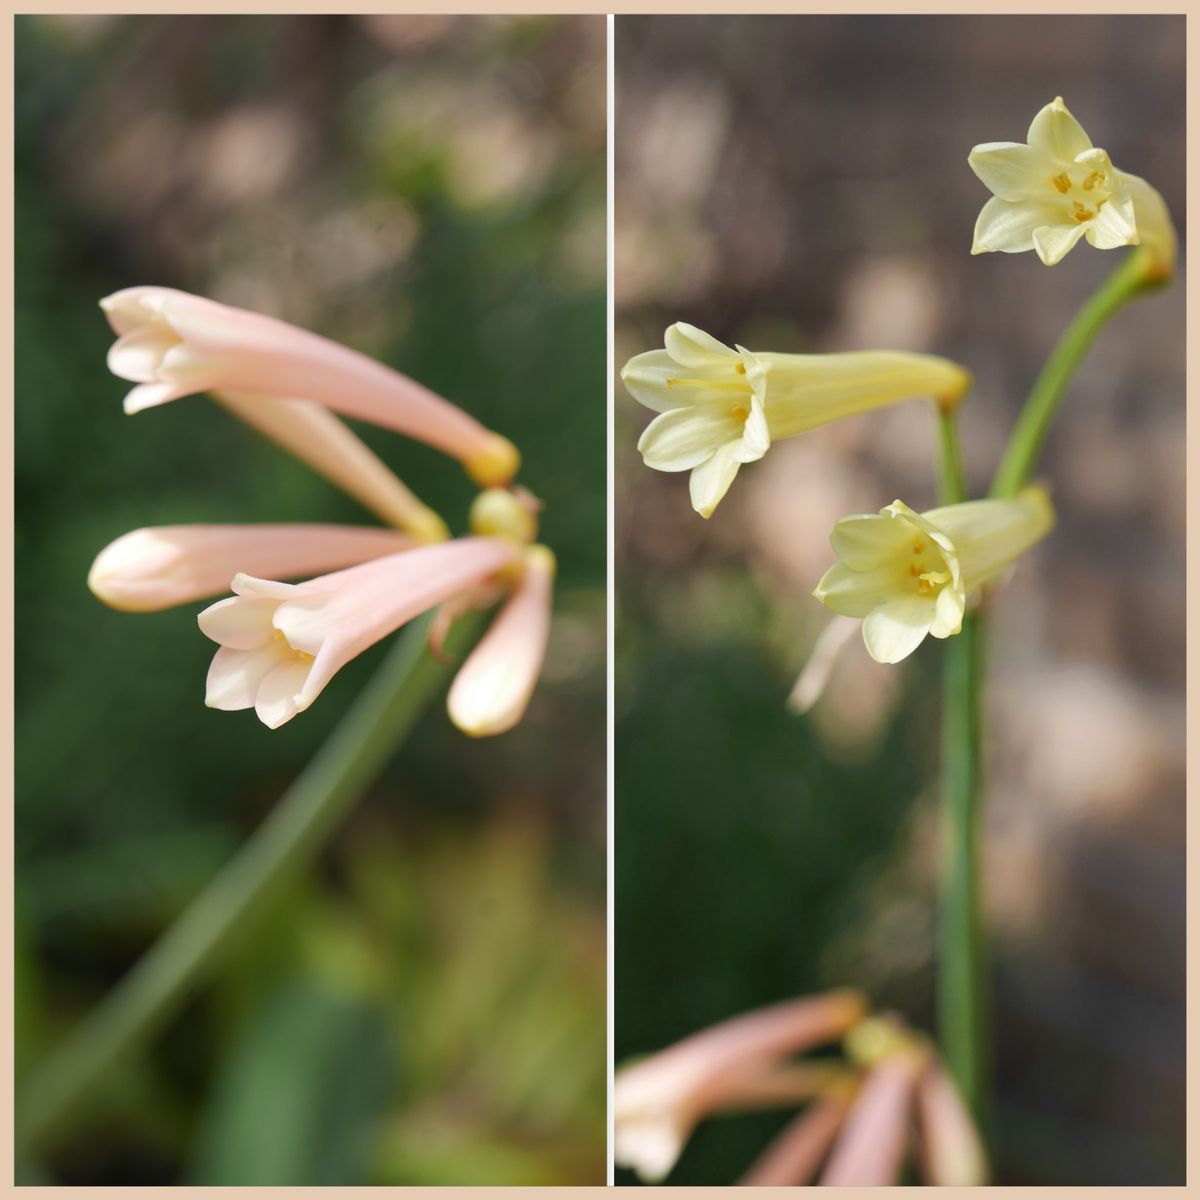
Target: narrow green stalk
pixel 284 843
pixel 1137 273
pixel 952 482
pixel 960 950
pixel 962 1020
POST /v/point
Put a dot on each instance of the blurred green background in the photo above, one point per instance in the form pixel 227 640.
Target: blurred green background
pixel 800 183
pixel 428 1006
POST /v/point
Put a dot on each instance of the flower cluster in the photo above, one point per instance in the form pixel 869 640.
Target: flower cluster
pixel 904 575
pixel 280 643
pixel 887 1096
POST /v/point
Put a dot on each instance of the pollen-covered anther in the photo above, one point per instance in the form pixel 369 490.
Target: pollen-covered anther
pixel 1062 182
pixel 1082 213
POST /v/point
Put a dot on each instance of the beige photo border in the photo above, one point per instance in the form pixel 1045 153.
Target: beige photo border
pixel 1189 8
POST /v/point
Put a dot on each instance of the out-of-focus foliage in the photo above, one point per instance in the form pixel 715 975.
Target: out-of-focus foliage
pixel 800 183
pixel 428 1007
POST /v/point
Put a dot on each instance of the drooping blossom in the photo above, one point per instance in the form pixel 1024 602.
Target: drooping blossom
pixel 659 1100
pixel 167 565
pixel 491 691
pixel 280 644
pixel 908 574
pixel 326 443
pixel 173 344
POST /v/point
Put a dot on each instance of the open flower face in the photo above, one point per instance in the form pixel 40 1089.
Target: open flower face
pixel 710 401
pixel 1056 188
pixel 720 408
pixel 282 643
pixel 908 574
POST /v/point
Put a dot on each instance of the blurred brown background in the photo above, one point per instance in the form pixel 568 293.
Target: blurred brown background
pixel 801 183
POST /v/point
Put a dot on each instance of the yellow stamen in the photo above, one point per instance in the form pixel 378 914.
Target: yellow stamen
pixel 1095 179
pixel 740 412
pixel 741 368
pixel 1062 182
pixel 302 655
pixel 1082 214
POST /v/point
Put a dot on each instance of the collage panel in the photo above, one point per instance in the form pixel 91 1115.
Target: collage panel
pixel 899 707
pixel 311 652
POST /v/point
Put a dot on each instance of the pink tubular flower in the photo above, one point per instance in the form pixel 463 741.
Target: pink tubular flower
pixel 172 344
pixel 870 1151
pixel 492 689
pixel 328 445
pixel 795 1156
pixel 282 643
pixel 659 1100
pixel 951 1152
pixel 151 569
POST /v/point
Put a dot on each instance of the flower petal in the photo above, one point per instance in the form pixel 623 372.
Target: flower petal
pixel 1057 132
pixel 151 395
pixel 756 434
pixel 1114 225
pixel 897 628
pixel 234 675
pixel 1007 226
pixel 647 379
pixel 241 622
pixel 948 612
pixel 138 354
pixel 867 540
pixel 276 701
pixel 686 437
pixel 856 593
pixel 710 480
pixel 692 347
pixel 1052 242
pixel 1011 170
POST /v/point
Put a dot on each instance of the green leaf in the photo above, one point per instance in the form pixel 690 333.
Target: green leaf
pixel 298 1097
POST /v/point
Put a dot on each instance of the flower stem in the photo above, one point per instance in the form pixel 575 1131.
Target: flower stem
pixel 962 1018
pixel 303 820
pixel 952 482
pixel 1136 274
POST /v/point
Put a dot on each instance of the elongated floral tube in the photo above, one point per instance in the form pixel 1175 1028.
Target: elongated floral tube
pixel 491 690
pixel 908 574
pixel 280 644
pixel 320 439
pixel 658 1100
pixel 1056 188
pixel 720 407
pixel 870 1150
pixel 172 344
pixel 147 570
pixel 951 1151
pixel 795 1156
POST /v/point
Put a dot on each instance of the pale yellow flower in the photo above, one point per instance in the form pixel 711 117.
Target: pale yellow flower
pixel 908 574
pixel 1056 187
pixel 720 407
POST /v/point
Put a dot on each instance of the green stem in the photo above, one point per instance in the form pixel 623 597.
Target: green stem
pixel 284 843
pixel 962 955
pixel 1136 274
pixel 952 482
